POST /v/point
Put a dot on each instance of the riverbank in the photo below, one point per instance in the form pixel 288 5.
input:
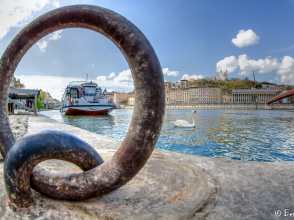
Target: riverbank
pixel 233 106
pixel 170 186
pixel 19 123
pixel 223 106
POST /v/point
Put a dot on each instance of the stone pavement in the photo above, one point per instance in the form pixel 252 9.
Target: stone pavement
pixel 170 186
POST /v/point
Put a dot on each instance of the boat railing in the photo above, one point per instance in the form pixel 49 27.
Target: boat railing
pixel 76 83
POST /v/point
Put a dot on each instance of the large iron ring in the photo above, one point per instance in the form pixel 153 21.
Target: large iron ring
pixel 148 113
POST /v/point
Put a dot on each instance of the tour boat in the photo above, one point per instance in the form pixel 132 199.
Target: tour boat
pixel 85 98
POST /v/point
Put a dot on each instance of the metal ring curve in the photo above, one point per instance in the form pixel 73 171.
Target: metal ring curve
pixel 149 108
pixel 39 146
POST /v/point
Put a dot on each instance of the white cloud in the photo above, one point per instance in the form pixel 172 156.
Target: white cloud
pixel 283 49
pixel 43 44
pixel 55 3
pixel 17 13
pixel 111 75
pixel 229 63
pixel 244 73
pixel 101 78
pixel 263 65
pixel 245 38
pixel 124 76
pixel 55 35
pixel 170 73
pixel 56 85
pixel 286 70
pixel 277 79
pixel 245 64
pixel 187 77
pixel 267 65
pixel 286 65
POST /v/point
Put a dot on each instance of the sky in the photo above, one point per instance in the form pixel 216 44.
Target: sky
pixel 192 39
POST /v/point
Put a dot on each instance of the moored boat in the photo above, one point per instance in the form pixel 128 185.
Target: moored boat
pixel 85 98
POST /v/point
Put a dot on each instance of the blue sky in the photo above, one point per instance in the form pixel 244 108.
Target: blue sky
pixel 191 38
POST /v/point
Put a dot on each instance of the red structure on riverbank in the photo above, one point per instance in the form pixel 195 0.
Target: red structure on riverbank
pixel 281 96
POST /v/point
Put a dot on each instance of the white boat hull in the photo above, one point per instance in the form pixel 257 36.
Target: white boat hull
pixel 87 110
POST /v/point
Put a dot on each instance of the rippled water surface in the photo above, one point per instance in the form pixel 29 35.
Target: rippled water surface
pixel 255 135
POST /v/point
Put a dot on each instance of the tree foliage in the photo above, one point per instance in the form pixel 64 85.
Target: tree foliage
pixel 42 96
pixel 228 86
pixel 16 84
pixel 124 102
pixel 39 104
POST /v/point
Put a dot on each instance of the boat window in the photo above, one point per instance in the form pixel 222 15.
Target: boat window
pixel 90 90
pixel 73 93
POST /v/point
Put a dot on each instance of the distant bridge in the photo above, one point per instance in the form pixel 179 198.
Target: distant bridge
pixel 279 97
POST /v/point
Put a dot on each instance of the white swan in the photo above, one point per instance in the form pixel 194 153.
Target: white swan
pixel 184 124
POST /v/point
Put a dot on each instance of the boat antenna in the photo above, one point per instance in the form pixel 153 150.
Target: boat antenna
pixel 87 78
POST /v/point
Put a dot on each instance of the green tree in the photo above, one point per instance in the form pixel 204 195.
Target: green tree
pixel 42 96
pixel 16 84
pixel 124 102
pixel 39 104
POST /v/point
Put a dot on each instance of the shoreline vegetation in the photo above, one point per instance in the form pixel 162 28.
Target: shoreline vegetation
pixel 228 86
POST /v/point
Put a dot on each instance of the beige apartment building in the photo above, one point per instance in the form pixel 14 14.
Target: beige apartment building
pixel 183 93
pixel 131 100
pixel 119 96
pixel 177 94
pixel 205 94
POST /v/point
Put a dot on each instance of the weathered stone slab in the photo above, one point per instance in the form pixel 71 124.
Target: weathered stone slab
pixel 164 189
pixel 170 186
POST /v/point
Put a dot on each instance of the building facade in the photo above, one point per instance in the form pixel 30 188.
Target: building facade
pixel 252 95
pixel 183 93
pixel 131 99
pixel 194 94
pixel 225 98
pixel 177 96
pixel 119 96
pixel 205 94
pixel 177 93
pixel 168 86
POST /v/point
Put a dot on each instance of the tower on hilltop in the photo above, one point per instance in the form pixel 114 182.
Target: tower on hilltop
pixel 223 75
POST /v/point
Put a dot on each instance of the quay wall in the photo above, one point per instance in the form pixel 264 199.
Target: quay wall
pixel 170 186
pixel 241 106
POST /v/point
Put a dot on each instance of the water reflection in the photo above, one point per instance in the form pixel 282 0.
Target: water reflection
pixel 256 135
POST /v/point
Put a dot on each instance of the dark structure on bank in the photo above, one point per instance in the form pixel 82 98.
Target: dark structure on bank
pixel 26 94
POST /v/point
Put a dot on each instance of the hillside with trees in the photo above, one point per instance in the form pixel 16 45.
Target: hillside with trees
pixel 16 84
pixel 228 86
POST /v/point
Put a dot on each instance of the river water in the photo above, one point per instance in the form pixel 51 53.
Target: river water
pixel 251 135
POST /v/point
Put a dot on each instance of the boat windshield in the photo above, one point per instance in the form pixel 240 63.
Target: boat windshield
pixel 90 90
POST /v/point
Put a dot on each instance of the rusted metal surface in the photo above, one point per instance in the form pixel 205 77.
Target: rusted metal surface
pixel 148 113
pixel 36 147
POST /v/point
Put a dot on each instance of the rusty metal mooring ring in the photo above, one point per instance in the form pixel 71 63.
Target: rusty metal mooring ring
pixel 148 113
